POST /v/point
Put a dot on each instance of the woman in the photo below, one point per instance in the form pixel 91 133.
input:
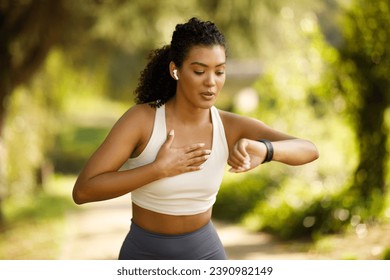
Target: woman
pixel 176 144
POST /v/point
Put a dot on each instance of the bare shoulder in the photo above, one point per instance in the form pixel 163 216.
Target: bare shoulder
pixel 137 116
pixel 139 111
pixel 237 126
pixel 228 116
pixel 136 126
pixel 238 122
pixel 233 124
pixel 135 121
pixel 126 136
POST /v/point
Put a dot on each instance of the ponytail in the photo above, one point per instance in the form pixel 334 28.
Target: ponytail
pixel 156 85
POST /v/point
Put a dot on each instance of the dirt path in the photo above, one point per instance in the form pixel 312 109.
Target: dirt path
pixel 96 232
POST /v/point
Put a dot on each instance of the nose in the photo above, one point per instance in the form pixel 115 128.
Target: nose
pixel 210 80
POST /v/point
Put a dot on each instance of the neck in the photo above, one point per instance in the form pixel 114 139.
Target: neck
pixel 188 114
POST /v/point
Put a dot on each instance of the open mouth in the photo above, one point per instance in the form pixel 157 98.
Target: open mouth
pixel 208 96
pixel 207 93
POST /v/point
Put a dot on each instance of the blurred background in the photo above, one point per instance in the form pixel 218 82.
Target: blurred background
pixel 314 69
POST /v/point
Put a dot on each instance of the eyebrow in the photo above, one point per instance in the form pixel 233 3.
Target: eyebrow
pixel 205 65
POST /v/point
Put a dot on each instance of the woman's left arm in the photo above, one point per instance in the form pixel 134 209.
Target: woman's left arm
pixel 246 151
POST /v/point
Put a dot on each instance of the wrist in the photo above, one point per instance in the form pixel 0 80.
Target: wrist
pixel 158 171
pixel 269 155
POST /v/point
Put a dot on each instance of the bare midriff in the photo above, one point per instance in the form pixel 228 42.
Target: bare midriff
pixel 169 224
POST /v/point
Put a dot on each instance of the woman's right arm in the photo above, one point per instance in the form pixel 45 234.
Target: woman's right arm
pixel 101 179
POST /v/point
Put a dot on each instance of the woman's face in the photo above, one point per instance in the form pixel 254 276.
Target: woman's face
pixel 202 75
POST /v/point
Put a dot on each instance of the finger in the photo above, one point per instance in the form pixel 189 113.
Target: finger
pixel 234 163
pixel 198 160
pixel 199 153
pixel 239 162
pixel 194 168
pixel 198 157
pixel 236 158
pixel 237 170
pixel 233 170
pixel 240 168
pixel 169 141
pixel 242 153
pixel 193 147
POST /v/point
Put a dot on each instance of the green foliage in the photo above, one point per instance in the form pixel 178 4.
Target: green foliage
pixel 308 89
pixel 35 225
pixel 33 119
pixel 386 254
pixel 28 135
pixel 44 206
pixel 300 93
pixel 74 146
pixel 238 194
pixel 40 122
pixel 281 201
pixel 288 216
pixel 366 33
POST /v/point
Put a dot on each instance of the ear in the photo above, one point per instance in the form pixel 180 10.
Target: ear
pixel 172 68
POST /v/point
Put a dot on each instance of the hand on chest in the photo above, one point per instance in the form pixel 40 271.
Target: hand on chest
pixel 188 135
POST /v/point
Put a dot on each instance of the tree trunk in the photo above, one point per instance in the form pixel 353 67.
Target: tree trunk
pixel 3 187
pixel 37 26
pixel 367 45
pixel 369 179
pixel 5 89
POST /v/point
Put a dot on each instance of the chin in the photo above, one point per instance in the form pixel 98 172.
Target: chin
pixel 206 105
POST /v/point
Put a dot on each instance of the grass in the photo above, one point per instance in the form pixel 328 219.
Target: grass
pixel 35 226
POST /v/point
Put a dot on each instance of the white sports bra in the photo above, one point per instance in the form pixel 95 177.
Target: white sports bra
pixel 188 193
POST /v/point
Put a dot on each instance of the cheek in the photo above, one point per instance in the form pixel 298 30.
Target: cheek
pixel 190 85
pixel 221 82
pixel 194 83
pixel 191 78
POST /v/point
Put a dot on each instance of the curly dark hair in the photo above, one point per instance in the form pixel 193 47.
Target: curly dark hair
pixel 156 85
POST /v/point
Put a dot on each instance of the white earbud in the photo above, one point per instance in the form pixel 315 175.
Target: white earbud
pixel 175 74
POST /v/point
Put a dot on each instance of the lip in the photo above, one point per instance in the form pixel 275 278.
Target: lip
pixel 208 95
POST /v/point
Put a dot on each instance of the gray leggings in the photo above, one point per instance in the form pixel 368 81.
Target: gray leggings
pixel 202 244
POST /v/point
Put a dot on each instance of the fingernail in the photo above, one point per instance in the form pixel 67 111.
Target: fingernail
pixel 171 133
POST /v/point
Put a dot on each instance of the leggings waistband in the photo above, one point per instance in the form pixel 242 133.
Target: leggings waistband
pixel 202 243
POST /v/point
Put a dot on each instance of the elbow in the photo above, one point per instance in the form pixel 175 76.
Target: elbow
pixel 308 154
pixel 78 196
pixel 314 153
